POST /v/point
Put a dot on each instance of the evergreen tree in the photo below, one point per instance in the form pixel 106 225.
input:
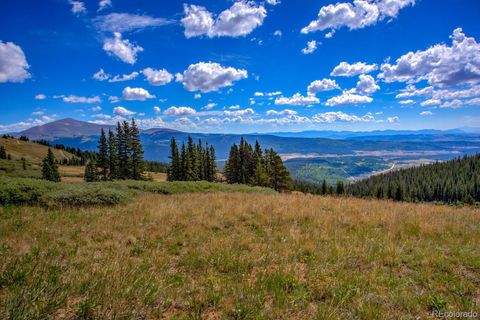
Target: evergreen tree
pixel 24 163
pixel 277 172
pixel 50 168
pixel 185 164
pixel 112 155
pixel 137 168
pixel 174 171
pixel 3 153
pixel 340 188
pixel 324 187
pixel 193 161
pixel 123 150
pixel 102 158
pixel 90 172
pixel 232 165
pixel 212 165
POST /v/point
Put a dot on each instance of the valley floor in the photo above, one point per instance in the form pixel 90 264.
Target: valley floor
pixel 239 256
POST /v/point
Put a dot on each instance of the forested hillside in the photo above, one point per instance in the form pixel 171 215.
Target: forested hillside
pixel 450 181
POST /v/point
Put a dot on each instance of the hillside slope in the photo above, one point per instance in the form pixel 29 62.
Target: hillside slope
pixel 32 152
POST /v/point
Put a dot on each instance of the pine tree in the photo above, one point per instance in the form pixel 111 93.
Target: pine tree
pixel 90 172
pixel 232 165
pixel 185 164
pixel 3 153
pixel 112 156
pixel 175 165
pixel 324 187
pixel 50 168
pixel 193 161
pixel 340 188
pixel 278 174
pixel 102 158
pixel 212 165
pixel 123 150
pixel 137 168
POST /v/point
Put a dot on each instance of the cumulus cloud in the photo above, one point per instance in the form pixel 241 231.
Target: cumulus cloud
pixel 13 63
pixel 139 94
pixel 156 109
pixel 96 109
pixel 123 112
pixel 239 20
pixel 209 106
pixel 244 112
pixel 322 85
pixel 78 7
pixel 285 112
pixel 22 125
pixel 122 49
pixel 40 96
pixel 347 98
pixel 431 102
pixel 209 76
pixel 273 2
pixel 330 117
pixel 366 85
pixel 103 4
pixel 78 99
pixel 426 113
pixel 440 64
pixel 409 101
pixel 126 22
pixel 394 119
pixel 157 77
pixel 179 111
pixel 356 15
pixel 297 100
pixel 101 75
pixel 453 104
pixel 310 48
pixel 277 33
pixel 344 69
pixel 125 77
pixel 267 94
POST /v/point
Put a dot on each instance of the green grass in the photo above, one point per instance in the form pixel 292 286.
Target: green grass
pixel 21 191
pixel 230 255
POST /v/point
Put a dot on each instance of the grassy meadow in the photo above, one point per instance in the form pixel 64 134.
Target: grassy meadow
pixel 233 255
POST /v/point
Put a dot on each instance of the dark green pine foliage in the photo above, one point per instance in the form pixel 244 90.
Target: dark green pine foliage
pixel 174 171
pixel 137 168
pixel 112 156
pixel 193 163
pixel 123 150
pixel 102 164
pixel 451 181
pixel 250 166
pixel 3 153
pixel 90 172
pixel 50 168
pixel 340 188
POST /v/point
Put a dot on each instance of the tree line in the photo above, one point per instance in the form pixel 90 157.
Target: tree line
pixel 451 181
pixel 119 156
pixel 319 189
pixel 193 162
pixel 253 166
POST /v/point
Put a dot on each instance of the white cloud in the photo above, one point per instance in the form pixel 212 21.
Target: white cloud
pixel 356 15
pixel 239 20
pixel 121 111
pixel 411 91
pixel 453 104
pixel 406 101
pixel 209 76
pixel 431 102
pixel 209 106
pixel 366 85
pixel 297 100
pixel 179 111
pixel 13 63
pixel 235 107
pixel 157 77
pixel 267 94
pixel 126 22
pixel 122 49
pixel 440 64
pixel 473 102
pixel 347 98
pixel 125 77
pixel 310 48
pixel 285 112
pixel 38 113
pixel 101 75
pixel 330 117
pixel 78 99
pixel 344 69
pixel 22 125
pixel 277 33
pixel 102 116
pixel 273 2
pixel 78 7
pixel 139 94
pixel 244 112
pixel 156 109
pixel 322 85
pixel 40 96
pixel 103 4
pixel 197 96
pixel 394 119
pixel 113 99
pixel 426 113
pixel 96 109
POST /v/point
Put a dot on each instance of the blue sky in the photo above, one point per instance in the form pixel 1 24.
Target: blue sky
pixel 242 66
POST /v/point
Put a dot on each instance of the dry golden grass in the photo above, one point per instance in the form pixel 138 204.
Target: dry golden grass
pixel 240 256
pixel 32 152
pixel 157 176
